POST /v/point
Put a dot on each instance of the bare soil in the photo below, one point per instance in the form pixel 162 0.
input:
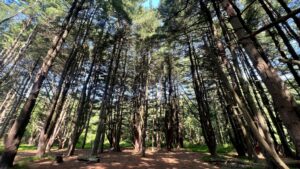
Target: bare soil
pixel 177 159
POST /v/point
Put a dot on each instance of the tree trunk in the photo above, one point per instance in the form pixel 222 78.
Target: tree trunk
pixel 269 152
pixel 69 72
pixel 119 108
pixel 21 94
pixel 45 134
pixel 288 10
pixel 141 109
pixel 7 53
pixel 100 134
pixel 70 65
pixel 283 55
pixel 238 138
pixel 19 55
pixel 280 31
pixel 84 99
pixel 205 120
pixel 284 102
pixel 277 122
pixel 60 120
pixel 87 126
pixel 15 134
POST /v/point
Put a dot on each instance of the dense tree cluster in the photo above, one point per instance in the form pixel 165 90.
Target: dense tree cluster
pixel 77 73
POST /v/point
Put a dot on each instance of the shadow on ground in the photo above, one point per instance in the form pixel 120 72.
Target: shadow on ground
pixel 126 160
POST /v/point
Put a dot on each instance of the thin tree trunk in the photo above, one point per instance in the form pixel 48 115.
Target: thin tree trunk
pixel 269 152
pixel 15 134
pixel 87 125
pixel 21 94
pixel 239 137
pixel 256 82
pixel 84 98
pixel 119 107
pixel 99 138
pixel 141 108
pixel 262 126
pixel 283 55
pixel 19 55
pixel 44 134
pixel 47 130
pixel 282 98
pixel 288 10
pixel 280 31
pixel 6 53
pixel 59 123
pixel 205 120
pixel 170 112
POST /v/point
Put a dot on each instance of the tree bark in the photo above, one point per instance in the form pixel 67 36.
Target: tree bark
pixel 283 55
pixel 141 106
pixel 205 120
pixel 84 99
pixel 19 55
pixel 21 94
pixel 288 10
pixel 269 152
pixel 5 54
pixel 283 100
pixel 100 134
pixel 70 64
pixel 16 133
pixel 280 31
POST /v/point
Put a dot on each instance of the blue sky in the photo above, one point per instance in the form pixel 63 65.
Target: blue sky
pixel 8 2
pixel 155 3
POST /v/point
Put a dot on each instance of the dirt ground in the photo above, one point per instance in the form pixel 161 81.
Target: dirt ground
pixel 178 159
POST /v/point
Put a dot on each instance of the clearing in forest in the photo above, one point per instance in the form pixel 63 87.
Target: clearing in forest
pixel 214 74
pixel 126 159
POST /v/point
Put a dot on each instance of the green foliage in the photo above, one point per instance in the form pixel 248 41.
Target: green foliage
pixel 197 148
pixel 159 33
pixel 27 147
pixel 125 144
pixel 146 23
pixel 23 147
pixel 24 162
pixel 120 11
pixel 221 149
pixel 1 149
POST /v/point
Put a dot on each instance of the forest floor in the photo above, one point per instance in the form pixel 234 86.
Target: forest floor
pixel 125 159
pixel 188 158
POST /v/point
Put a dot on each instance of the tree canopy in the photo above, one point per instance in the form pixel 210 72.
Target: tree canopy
pixel 81 74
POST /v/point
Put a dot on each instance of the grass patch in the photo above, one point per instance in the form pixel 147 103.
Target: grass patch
pixel 221 149
pixel 225 149
pixel 27 147
pixel 1 149
pixel 89 145
pixel 22 147
pixel 197 148
pixel 125 144
pixel 236 163
pixel 24 162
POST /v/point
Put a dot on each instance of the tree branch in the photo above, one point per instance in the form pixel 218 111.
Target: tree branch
pixel 291 61
pixel 279 20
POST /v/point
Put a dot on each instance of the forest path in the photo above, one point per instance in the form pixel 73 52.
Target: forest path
pixel 177 159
